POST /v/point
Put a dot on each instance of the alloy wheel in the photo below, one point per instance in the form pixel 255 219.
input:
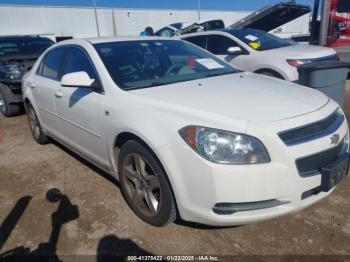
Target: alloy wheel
pixel 142 184
pixel 33 122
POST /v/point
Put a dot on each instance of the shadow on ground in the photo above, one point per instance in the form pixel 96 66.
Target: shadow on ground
pixel 109 248
pixel 115 182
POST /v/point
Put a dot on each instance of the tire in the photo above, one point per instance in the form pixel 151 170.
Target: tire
pixel 271 74
pixel 6 108
pixel 35 127
pixel 144 185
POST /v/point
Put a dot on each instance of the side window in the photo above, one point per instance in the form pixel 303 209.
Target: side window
pixel 76 61
pixel 166 32
pixel 40 67
pixel 52 63
pixel 218 44
pixel 200 41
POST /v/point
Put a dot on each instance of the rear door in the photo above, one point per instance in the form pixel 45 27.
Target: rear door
pixel 46 82
pixel 81 109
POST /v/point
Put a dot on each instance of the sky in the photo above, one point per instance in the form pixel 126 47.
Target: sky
pixel 241 5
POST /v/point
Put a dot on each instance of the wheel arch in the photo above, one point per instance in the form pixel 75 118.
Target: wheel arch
pixel 26 102
pixel 122 137
pixel 126 136
pixel 271 71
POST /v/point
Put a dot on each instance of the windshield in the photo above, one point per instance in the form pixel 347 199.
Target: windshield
pixel 23 46
pixel 260 40
pixel 140 64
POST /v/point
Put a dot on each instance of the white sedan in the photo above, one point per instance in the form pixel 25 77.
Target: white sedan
pixel 186 134
pixel 260 52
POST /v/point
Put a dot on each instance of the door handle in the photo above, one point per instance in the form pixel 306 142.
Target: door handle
pixel 58 94
pixel 32 85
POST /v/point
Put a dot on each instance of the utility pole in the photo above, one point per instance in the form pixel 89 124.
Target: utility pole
pixel 199 9
pixel 314 36
pixel 325 14
pixel 96 18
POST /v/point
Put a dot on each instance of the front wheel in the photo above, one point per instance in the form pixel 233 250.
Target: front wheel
pixel 144 185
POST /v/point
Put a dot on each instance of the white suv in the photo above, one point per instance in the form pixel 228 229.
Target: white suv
pixel 260 52
pixel 186 134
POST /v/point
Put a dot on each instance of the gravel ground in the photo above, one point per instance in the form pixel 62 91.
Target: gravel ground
pixel 97 220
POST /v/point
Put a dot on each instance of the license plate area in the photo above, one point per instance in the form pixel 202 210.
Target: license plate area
pixel 334 173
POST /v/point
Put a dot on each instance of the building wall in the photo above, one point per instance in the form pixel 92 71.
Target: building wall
pixel 80 22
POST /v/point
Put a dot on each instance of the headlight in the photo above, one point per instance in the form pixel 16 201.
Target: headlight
pixel 298 62
pixel 10 70
pixel 225 147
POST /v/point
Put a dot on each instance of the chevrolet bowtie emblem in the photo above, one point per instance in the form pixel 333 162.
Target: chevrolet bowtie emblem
pixel 334 139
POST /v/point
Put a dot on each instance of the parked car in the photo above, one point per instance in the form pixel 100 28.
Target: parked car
pixel 260 52
pixel 170 30
pixel 180 28
pixel 17 56
pixel 187 134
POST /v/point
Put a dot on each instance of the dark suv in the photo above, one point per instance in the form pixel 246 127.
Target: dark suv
pixel 17 56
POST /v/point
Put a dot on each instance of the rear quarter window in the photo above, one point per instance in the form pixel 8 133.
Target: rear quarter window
pixel 51 64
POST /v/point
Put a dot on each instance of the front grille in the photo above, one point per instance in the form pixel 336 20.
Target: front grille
pixel 310 164
pixel 312 131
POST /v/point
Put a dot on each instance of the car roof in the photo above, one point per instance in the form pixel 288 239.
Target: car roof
pixel 15 37
pixel 229 31
pixel 100 40
pixel 233 30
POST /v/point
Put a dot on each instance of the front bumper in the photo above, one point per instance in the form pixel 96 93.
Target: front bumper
pixel 199 185
pixel 13 92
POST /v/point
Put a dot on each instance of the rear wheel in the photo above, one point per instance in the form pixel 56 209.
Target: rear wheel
pixel 35 127
pixel 144 185
pixel 6 108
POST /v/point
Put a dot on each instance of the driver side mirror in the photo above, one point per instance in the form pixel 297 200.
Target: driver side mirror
pixel 234 50
pixel 77 79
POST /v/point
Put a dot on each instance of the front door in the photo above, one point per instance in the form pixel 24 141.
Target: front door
pixel 81 109
pixel 219 45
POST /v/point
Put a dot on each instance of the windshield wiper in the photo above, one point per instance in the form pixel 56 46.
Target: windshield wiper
pixel 152 84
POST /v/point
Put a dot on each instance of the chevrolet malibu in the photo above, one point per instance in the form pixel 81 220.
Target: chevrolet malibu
pixel 186 134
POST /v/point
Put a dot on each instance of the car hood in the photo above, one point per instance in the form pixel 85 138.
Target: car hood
pixel 302 51
pixel 242 96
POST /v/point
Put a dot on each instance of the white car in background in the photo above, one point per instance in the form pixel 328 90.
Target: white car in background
pixel 170 30
pixel 180 28
pixel 186 134
pixel 260 52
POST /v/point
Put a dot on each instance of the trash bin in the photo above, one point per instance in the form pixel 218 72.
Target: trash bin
pixel 327 77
